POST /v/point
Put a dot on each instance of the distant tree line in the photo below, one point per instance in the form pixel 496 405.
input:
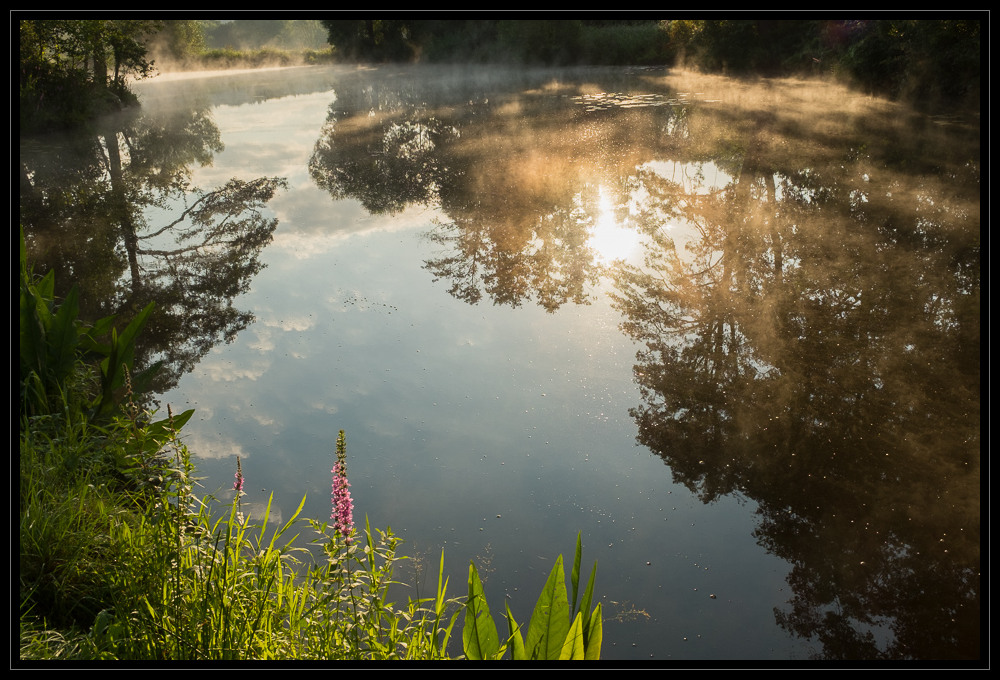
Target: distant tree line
pixel 72 69
pixel 920 59
pixel 251 34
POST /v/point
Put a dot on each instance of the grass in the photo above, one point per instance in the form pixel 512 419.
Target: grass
pixel 125 562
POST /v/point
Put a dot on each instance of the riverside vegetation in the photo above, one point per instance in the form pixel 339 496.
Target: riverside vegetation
pixel 121 560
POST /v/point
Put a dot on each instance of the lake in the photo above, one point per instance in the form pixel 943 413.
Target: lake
pixel 726 330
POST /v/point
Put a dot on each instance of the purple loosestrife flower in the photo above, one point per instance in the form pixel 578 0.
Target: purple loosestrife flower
pixel 238 488
pixel 343 505
pixel 238 484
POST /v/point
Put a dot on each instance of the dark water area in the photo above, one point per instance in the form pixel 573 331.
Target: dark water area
pixel 728 331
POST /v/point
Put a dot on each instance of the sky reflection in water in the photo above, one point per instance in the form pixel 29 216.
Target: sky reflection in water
pixel 438 287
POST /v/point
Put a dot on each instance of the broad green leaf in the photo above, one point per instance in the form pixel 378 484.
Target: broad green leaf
pixel 572 648
pixel 89 338
pixel 125 348
pixel 31 332
pixel 135 325
pixel 174 423
pixel 23 255
pixel 550 619
pixel 62 340
pixel 515 641
pixel 595 635
pixel 479 636
pixel 46 286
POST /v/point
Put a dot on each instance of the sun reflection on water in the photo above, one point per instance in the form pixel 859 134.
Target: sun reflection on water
pixel 610 239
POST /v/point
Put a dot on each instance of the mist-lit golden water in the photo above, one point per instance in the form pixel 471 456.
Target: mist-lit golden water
pixel 728 330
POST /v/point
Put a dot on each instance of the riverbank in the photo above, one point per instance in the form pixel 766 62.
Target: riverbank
pixel 121 560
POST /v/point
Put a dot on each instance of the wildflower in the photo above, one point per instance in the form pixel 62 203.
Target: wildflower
pixel 343 505
pixel 238 484
pixel 238 488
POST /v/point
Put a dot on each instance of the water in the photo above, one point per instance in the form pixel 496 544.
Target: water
pixel 729 332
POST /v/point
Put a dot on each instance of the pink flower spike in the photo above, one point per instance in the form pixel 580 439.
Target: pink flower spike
pixel 343 505
pixel 238 484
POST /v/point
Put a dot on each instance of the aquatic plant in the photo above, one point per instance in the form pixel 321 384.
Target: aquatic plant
pixel 53 342
pixel 558 630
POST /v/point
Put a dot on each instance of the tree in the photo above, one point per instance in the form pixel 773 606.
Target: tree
pixel 370 39
pixel 71 69
pixel 178 40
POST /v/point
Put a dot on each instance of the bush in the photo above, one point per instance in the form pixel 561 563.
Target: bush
pixel 625 43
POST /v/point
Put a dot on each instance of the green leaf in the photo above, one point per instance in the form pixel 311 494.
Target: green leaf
pixel 175 423
pixel 442 587
pixel 550 619
pixel 479 636
pixel 89 338
pixel 595 635
pixel 287 525
pixel 46 286
pixel 572 648
pixel 126 345
pixel 121 351
pixel 575 574
pixel 515 640
pixel 588 596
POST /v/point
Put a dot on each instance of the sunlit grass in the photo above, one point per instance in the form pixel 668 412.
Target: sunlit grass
pixel 143 571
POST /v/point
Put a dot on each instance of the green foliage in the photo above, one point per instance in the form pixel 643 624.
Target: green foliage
pixel 225 57
pixel 371 39
pixel 921 60
pixel 149 572
pixel 253 34
pixel 541 42
pixel 72 70
pixel 179 40
pixel 53 343
pixel 119 356
pixel 624 43
pixel 916 58
pixel 80 485
pixel 558 629
pixel 479 635
pixel 530 41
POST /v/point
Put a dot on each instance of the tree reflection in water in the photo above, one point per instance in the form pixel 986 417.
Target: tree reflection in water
pixel 117 214
pixel 815 347
pixel 808 296
pixel 810 323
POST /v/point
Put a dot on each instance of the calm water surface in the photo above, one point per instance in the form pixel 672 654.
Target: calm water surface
pixel 727 331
